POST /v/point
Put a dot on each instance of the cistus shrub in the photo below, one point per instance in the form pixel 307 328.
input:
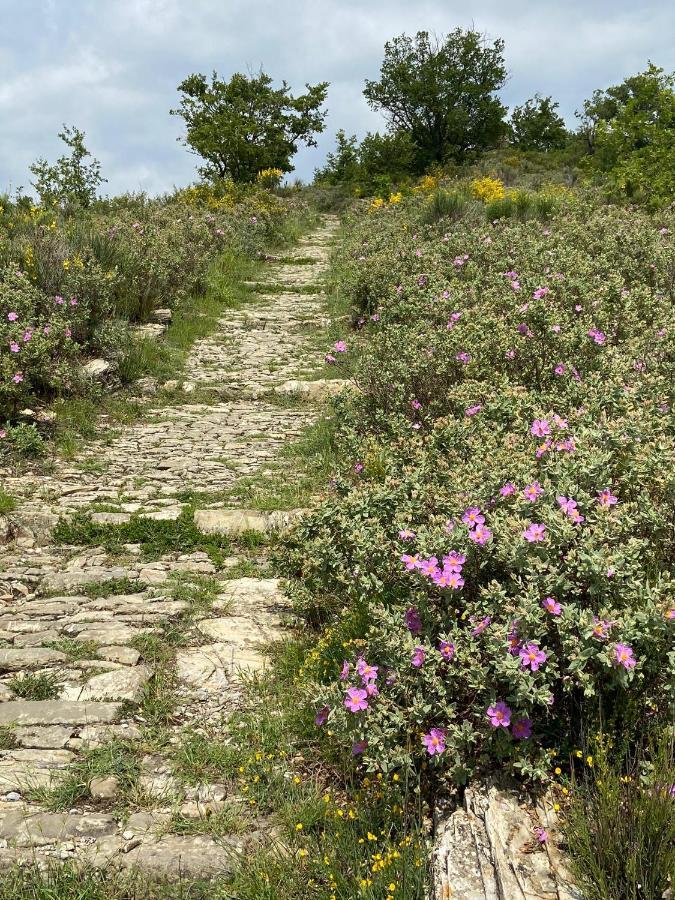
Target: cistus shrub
pixel 494 569
pixel 70 284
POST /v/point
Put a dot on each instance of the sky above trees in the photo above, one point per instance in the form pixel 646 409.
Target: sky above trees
pixel 112 68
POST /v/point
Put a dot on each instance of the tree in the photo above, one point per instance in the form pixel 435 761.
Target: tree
pixel 442 92
pixel 244 125
pixel 342 166
pixel 537 126
pixel 70 180
pixel 377 156
pixel 630 133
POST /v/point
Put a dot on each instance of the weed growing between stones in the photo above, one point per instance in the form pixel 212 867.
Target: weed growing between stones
pixel 35 686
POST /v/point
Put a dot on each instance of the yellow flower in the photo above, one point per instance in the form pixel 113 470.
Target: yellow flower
pixel 589 761
pixel 488 189
pixel 558 770
pixel 299 826
pixel 395 198
pixel 578 754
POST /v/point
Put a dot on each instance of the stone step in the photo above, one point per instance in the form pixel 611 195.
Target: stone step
pixel 57 712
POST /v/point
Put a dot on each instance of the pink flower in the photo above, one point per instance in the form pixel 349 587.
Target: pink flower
pixel 670 613
pixel 482 625
pixel 624 656
pixel 533 491
pixel 463 357
pixel 416 404
pixel 410 562
pixel 73 301
pixel 454 561
pixel 480 535
pixel 27 335
pixel 531 656
pixel 508 489
pixel 559 369
pixel 535 532
pixel 435 741
pixel 340 347
pixel 359 467
pixel 322 716
pixel 406 534
pixel 598 336
pixel 542 835
pixel 510 354
pixel 607 498
pixel 367 672
pixel 472 410
pixel 418 657
pixel 14 347
pixel 12 316
pixel 472 517
pixel 359 747
pixel 344 674
pixel 540 428
pixel 329 358
pixel 447 650
pixel 555 329
pixel 522 729
pixel 356 700
pixel 567 505
pixel 412 620
pixel 601 628
pixel 59 300
pixel 552 606
pixel 541 292
pixel 17 378
pixel 499 715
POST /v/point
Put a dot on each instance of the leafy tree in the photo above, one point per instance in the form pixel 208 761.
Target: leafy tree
pixel 342 166
pixel 244 125
pixel 630 132
pixel 70 180
pixel 378 156
pixel 442 92
pixel 537 126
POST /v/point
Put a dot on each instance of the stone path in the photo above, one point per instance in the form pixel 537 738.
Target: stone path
pixel 77 624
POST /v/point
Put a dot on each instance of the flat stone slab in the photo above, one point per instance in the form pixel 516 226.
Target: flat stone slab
pixel 49 737
pixel 315 390
pixel 21 769
pixel 56 712
pixel 173 856
pixel 38 829
pixel 29 658
pixel 120 684
pixel 230 521
pixel 206 668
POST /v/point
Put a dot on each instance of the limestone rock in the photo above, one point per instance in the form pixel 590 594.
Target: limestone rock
pixel 104 788
pixel 205 667
pixel 315 390
pixel 120 684
pixel 56 712
pixel 110 518
pixel 30 657
pixel 230 521
pixel 125 655
pixel 21 769
pixel 97 368
pixel 163 316
pixel 37 829
pixel 50 737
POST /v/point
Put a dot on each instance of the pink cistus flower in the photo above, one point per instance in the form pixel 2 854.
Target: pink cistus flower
pixel 416 404
pixel 447 578
pixel 499 715
pixel 522 729
pixel 560 369
pixel 542 835
pixel 552 606
pixel 454 561
pixel 329 358
pixel 531 657
pixel 322 716
pixel 508 489
pixel 599 337
pixel 623 655
pixel 540 428
pixel 410 562
pixel 366 671
pixel 446 649
pixel 340 347
pixel 463 357
pixel 452 321
pixel 482 625
pixel 601 628
pixel 356 700
pixel 566 504
pixel 541 292
pixel 17 378
pixel 59 300
pixel 434 741
pixel 480 535
pixel 606 498
pixel 405 534
pixel 472 517
pixel 535 532
pixel 344 672
pixel 358 468
pixel 412 620
pixel 14 347
pixel 472 410
pixel 359 747
pixel 419 655
pixel 669 615
pixel 533 492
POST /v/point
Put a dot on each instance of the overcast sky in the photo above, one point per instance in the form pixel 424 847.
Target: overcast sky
pixel 111 67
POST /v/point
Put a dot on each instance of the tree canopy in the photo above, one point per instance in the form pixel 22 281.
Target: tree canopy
pixel 442 91
pixel 244 125
pixel 537 126
pixel 70 180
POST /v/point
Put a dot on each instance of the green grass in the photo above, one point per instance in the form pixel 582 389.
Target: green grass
pixel 7 502
pixel 116 758
pixel 155 537
pixel 74 649
pixel 7 739
pixel 40 686
pixel 620 828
